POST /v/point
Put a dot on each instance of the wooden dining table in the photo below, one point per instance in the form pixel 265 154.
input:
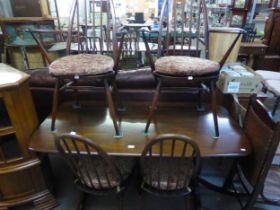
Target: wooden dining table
pixel 92 120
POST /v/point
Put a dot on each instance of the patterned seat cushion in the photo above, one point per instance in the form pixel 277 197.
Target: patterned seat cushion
pixel 185 66
pixel 267 75
pixel 106 178
pixel 168 173
pixel 82 64
pixel 273 86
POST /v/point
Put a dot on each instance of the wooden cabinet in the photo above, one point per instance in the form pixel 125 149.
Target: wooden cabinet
pixel 271 33
pixel 30 8
pixel 21 179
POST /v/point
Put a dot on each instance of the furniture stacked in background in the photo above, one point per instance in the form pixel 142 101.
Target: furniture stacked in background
pixel 21 51
pixel 239 12
pixel 271 60
pixel 21 178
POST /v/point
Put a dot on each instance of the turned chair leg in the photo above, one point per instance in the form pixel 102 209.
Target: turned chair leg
pixel 275 105
pixel 154 105
pixel 200 107
pixel 111 107
pixel 214 108
pixel 76 96
pixel 55 104
pixel 82 201
pixel 121 197
pixel 117 98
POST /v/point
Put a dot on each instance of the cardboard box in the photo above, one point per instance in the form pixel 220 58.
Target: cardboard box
pixel 238 78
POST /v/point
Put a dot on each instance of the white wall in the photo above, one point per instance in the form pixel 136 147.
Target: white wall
pixel 5 8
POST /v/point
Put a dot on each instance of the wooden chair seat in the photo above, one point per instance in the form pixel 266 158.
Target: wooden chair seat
pixel 268 75
pixel 105 179
pixel 179 179
pixel 185 65
pixel 82 64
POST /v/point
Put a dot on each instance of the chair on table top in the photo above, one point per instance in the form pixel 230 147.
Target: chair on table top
pixel 251 171
pixel 92 54
pixel 95 172
pixel 170 165
pixel 180 45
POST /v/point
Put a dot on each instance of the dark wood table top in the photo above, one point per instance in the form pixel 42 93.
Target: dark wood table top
pixel 92 120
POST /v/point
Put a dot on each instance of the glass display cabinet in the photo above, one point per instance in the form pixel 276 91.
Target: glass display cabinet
pixel 239 12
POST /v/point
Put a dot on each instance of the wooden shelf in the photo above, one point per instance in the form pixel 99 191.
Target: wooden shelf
pixel 7 130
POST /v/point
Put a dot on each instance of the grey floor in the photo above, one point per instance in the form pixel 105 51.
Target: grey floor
pixel 67 195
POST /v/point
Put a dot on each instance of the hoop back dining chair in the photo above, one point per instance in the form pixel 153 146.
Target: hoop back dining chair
pixel 170 165
pixel 92 53
pixel 182 41
pixel 95 172
pixel 264 135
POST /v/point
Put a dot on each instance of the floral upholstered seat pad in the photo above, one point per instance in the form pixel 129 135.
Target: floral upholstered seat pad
pixel 185 66
pixel 82 64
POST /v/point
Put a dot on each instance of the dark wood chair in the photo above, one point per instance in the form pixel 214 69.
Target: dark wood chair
pixel 183 37
pixel 250 33
pixel 264 135
pixel 170 165
pixel 95 172
pixel 92 54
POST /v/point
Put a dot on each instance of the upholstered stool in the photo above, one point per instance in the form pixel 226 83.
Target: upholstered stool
pixel 78 67
pixel 271 83
pixel 273 86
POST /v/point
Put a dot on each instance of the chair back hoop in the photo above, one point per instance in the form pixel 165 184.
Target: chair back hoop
pixel 264 135
pixel 170 162
pixel 95 31
pixel 90 164
pixel 183 30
